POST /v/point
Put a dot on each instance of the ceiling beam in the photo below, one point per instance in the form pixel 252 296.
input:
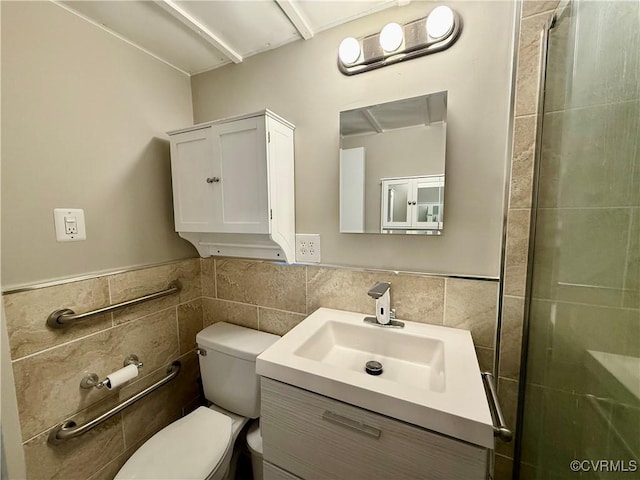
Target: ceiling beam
pixel 183 16
pixel 296 18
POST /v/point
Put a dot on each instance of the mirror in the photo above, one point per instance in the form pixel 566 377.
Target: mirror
pixel 392 163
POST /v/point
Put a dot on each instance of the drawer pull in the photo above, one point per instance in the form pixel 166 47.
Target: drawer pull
pixel 352 424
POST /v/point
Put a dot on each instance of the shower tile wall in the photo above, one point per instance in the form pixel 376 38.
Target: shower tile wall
pixel 49 364
pixel 533 16
pixel 586 285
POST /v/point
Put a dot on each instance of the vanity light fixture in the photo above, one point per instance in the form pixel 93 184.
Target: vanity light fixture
pixel 440 22
pixel 349 50
pixel 396 43
pixel 391 37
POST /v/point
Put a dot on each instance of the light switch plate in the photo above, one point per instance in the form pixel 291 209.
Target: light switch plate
pixel 307 248
pixel 69 223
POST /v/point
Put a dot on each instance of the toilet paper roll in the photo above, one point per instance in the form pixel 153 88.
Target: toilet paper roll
pixel 121 376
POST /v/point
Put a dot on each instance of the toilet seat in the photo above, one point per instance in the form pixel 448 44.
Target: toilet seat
pixel 190 448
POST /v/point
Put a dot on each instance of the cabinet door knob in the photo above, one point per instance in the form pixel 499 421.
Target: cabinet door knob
pixel 213 179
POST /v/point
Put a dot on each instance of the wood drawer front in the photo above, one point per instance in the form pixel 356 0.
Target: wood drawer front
pixel 305 434
pixel 271 472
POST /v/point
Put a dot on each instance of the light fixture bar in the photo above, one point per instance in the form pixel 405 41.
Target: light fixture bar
pixel 183 16
pixel 445 25
pixel 296 18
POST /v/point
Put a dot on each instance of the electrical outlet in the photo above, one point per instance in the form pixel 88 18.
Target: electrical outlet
pixel 69 224
pixel 307 248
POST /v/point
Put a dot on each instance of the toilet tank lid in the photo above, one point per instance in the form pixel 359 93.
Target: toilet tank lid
pixel 235 340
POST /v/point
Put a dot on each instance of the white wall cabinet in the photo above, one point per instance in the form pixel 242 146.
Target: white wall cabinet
pixel 233 190
pixel 310 436
pixel 412 203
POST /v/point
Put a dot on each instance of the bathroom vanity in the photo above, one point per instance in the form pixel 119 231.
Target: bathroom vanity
pixel 323 416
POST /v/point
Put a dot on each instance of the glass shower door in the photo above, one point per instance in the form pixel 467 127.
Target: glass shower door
pixel 581 416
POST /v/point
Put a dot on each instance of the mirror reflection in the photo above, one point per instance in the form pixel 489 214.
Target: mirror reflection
pixel 392 164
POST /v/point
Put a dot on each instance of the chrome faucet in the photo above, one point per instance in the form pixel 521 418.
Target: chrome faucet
pixel 385 316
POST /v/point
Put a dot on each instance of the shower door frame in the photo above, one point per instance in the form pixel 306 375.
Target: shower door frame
pixel 544 53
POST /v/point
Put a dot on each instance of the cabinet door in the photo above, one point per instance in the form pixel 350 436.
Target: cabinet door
pixel 316 437
pixel 191 166
pixel 242 201
pixel 281 184
pixel 429 202
pixel 396 203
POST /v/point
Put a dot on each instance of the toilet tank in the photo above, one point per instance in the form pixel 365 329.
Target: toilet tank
pixel 227 356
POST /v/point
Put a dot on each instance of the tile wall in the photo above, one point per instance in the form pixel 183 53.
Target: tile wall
pixel 267 296
pixel 274 298
pixel 534 16
pixel 49 364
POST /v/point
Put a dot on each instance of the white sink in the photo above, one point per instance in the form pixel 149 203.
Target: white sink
pixel 430 374
pixel 415 361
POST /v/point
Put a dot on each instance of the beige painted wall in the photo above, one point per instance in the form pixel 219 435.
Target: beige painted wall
pixel 84 117
pixel 301 82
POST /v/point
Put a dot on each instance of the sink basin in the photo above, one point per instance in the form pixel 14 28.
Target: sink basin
pixel 430 375
pixel 412 360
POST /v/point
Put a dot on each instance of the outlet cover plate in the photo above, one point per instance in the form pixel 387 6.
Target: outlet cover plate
pixel 59 215
pixel 307 248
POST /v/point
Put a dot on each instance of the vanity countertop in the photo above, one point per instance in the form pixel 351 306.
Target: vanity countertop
pixel 430 378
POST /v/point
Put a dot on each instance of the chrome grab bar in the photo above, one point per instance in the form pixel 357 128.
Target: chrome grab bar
pixel 69 429
pixel 65 316
pixel 500 430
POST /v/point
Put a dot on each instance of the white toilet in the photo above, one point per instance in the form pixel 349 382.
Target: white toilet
pixel 200 445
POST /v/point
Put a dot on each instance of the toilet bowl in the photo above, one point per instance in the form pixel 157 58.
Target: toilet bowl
pixel 200 445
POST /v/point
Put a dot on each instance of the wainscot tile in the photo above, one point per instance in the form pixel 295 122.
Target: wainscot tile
pixel 485 358
pixel 534 7
pixel 149 415
pixel 344 289
pixel 136 283
pixel 26 314
pixel 163 406
pixel 277 321
pixel 511 337
pixel 76 458
pixel 416 298
pixel 528 64
pixel 231 312
pixel 48 384
pixel 472 305
pixel 419 298
pixel 516 252
pixel 522 162
pixel 208 266
pixel 262 283
pixel 190 322
pixel 508 398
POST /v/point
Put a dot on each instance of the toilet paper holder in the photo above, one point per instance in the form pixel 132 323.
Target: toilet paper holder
pixel 91 380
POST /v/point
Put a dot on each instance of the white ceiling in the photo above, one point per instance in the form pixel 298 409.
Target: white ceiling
pixel 196 36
